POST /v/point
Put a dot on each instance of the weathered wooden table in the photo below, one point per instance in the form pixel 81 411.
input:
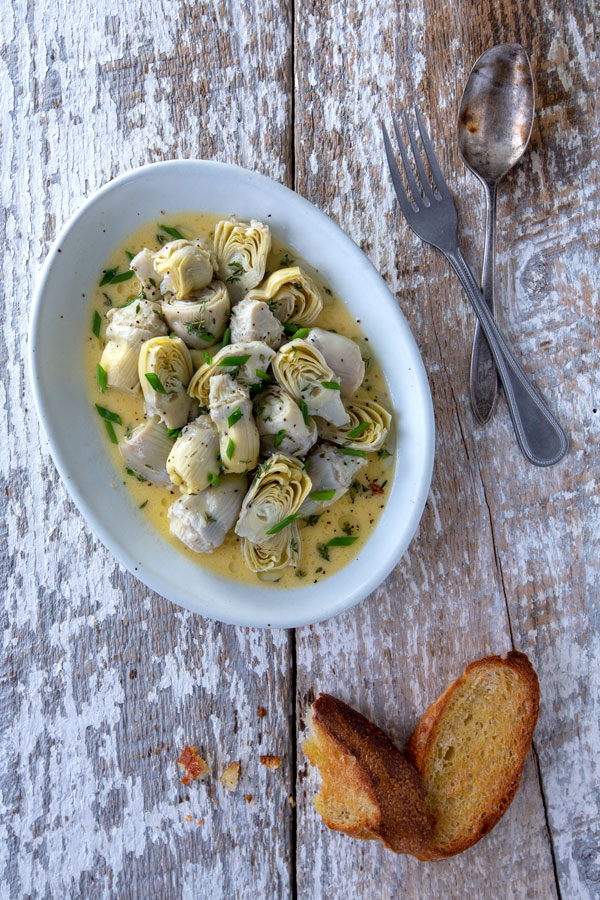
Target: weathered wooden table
pixel 103 682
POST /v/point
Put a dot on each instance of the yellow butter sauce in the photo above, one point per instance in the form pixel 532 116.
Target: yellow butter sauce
pixel 356 513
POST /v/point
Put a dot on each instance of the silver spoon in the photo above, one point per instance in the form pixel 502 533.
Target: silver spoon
pixel 494 126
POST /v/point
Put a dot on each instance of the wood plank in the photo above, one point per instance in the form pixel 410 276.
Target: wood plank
pixel 497 534
pixel 103 682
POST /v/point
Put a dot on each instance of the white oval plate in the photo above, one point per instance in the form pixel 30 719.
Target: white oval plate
pixel 60 323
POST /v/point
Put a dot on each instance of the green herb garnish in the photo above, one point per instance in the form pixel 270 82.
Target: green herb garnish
pixel 286 261
pixel 332 385
pixel 207 358
pixel 234 361
pixel 279 437
pixel 341 541
pixel 209 518
pixel 323 551
pixel 107 414
pixel 383 453
pixel 327 290
pixel 347 528
pixel 111 432
pixel 349 452
pixel 135 474
pixel 290 328
pixel 304 411
pixel 127 303
pixel 301 333
pixel 356 432
pixel 283 524
pixel 155 383
pixel 129 255
pixel 174 432
pixel 172 232
pixel 300 573
pixel 97 323
pixel 226 337
pixel 312 520
pixel 230 449
pixel 234 417
pixel 123 276
pixel 108 276
pixel 102 377
pixel 263 375
pixel 320 496
pixel 213 479
pixel 142 505
pixel 237 272
pixel 107 300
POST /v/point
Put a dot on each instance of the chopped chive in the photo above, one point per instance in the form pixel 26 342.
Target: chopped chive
pixel 301 333
pixel 320 496
pixel 234 417
pixel 207 358
pixel 263 375
pixel 213 479
pixel 279 437
pixel 142 505
pixel 332 385
pixel 111 432
pixel 129 255
pixel 108 276
pixel 256 389
pixel 127 303
pixel 304 411
pixel 234 361
pixel 283 524
pixel 102 377
pixel 230 449
pixel 356 432
pixel 107 414
pixel 349 452
pixel 135 474
pixel 341 541
pixel 226 337
pixel 155 383
pixel 97 323
pixel 172 232
pixel 290 328
pixel 123 276
pixel 174 432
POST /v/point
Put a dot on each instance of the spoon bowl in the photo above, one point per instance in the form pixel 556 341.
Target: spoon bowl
pixel 496 112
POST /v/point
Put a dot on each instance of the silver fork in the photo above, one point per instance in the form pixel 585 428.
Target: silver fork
pixel 432 216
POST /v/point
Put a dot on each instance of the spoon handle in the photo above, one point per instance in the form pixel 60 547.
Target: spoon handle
pixel 540 437
pixel 483 378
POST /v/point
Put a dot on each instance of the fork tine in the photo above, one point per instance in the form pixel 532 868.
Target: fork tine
pixel 418 159
pixel 412 181
pixel 440 181
pixel 405 204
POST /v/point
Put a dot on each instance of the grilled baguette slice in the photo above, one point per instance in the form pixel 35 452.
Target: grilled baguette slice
pixel 470 749
pixel 369 789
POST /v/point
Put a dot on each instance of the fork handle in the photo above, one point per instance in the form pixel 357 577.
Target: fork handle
pixel 540 437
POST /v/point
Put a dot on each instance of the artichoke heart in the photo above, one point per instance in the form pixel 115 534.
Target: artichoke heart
pixel 244 359
pixel 279 488
pixel 367 429
pixel 200 320
pixel 194 456
pixel 302 371
pixel 120 362
pixel 146 450
pixel 201 521
pixel 143 266
pixel 281 424
pixel 185 267
pixel 165 368
pixel 342 355
pixel 231 411
pixel 330 470
pixel 242 249
pixel 277 552
pixel 252 320
pixel 138 321
pixel 291 295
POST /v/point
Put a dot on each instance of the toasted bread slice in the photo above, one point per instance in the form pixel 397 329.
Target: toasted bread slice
pixel 369 788
pixel 470 749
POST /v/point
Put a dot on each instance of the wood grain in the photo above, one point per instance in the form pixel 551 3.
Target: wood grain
pixel 503 556
pixel 102 683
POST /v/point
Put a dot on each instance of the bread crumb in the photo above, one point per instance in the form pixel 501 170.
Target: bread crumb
pixel 261 712
pixel 270 762
pixel 194 765
pixel 292 802
pixel 231 776
pixel 248 797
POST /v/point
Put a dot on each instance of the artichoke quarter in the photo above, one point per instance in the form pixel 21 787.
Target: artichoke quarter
pixel 302 371
pixel 252 320
pixel 279 488
pixel 342 355
pixel 201 521
pixel 165 368
pixel 201 319
pixel 146 450
pixel 367 429
pixel 291 295
pixel 281 424
pixel 242 249
pixel 194 457
pixel 184 267
pixel 244 359
pixel 231 411
pixel 330 470
pixel 128 327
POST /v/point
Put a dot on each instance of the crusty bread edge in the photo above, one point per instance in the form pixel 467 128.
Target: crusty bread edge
pixel 420 740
